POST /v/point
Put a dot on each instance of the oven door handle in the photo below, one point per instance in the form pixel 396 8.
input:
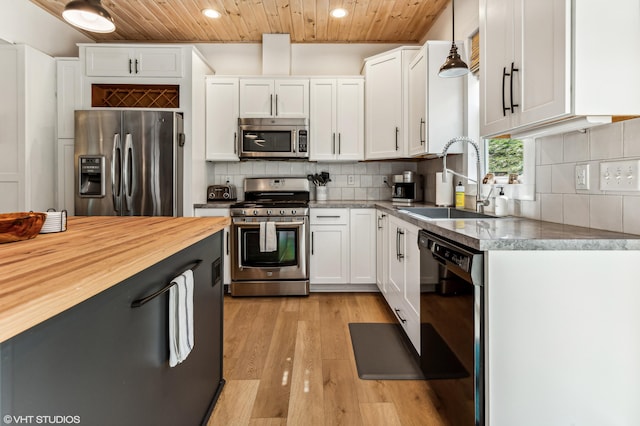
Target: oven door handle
pixel 257 224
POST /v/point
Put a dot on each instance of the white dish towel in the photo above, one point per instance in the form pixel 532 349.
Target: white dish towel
pixel 268 237
pixel 181 339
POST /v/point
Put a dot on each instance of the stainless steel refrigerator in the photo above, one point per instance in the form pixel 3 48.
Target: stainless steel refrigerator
pixel 128 163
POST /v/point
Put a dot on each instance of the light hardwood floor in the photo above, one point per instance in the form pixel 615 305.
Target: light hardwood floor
pixel 289 361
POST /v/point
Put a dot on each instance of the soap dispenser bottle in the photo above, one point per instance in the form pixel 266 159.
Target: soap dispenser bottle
pixel 502 203
pixel 459 196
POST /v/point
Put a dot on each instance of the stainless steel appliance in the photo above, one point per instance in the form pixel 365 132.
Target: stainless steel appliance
pixel 407 188
pixel 451 328
pixel 128 163
pixel 225 192
pixel 281 203
pixel 273 138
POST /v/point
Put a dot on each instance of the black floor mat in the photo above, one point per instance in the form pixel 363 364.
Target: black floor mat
pixel 382 352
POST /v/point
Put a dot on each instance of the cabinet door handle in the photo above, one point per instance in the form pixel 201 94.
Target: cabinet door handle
pixel 399 243
pixel 235 142
pixel 276 105
pixel 513 70
pixel 379 219
pixel 312 243
pixel 422 134
pixel 403 320
pixel 270 104
pixel 397 131
pixel 130 66
pixel 227 235
pixel 333 144
pixel 505 74
pixel 339 144
pixel 136 66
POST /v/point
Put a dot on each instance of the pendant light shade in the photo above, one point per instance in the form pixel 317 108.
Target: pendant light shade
pixel 88 15
pixel 454 66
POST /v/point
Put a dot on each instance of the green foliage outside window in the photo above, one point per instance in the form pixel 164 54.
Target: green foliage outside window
pixel 506 155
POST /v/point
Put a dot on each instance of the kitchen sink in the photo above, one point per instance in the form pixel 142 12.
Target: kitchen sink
pixel 444 213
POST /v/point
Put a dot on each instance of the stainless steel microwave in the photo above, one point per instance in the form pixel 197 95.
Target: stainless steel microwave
pixel 273 138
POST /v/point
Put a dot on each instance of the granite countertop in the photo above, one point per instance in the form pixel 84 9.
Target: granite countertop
pixel 505 233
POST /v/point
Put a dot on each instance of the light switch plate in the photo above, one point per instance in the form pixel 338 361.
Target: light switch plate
pixel 582 176
pixel 620 175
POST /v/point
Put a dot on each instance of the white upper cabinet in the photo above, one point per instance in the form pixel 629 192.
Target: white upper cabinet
pixel 27 120
pixel 436 107
pixel 386 103
pixel 337 119
pixel 266 98
pixel 550 60
pixel 222 118
pixel 122 61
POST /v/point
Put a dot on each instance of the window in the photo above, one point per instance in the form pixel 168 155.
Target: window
pixel 505 157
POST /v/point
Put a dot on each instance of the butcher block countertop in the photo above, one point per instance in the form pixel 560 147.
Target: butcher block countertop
pixel 44 276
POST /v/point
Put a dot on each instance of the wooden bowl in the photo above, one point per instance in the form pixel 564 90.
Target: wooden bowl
pixel 20 226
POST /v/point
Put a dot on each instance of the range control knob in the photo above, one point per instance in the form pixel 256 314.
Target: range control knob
pixel 225 195
pixel 269 212
pixel 282 212
pixel 293 212
pixel 255 212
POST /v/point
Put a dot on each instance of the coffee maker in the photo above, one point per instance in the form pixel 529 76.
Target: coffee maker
pixel 407 188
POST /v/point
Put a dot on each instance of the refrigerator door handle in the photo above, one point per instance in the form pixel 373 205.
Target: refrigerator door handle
pixel 127 168
pixel 116 172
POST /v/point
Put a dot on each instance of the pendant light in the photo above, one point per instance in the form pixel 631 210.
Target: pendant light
pixel 88 15
pixel 454 66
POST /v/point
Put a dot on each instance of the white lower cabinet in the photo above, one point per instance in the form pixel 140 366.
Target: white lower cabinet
pixel 220 212
pixel 362 251
pixel 382 253
pixel 329 262
pixel 403 291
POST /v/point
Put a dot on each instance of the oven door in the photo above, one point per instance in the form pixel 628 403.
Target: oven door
pixel 288 262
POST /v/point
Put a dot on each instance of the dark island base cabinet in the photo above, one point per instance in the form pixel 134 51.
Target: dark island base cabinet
pixel 106 363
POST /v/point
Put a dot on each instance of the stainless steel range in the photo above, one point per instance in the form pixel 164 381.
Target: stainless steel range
pixel 270 238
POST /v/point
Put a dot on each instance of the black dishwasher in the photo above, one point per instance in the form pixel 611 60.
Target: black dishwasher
pixel 451 328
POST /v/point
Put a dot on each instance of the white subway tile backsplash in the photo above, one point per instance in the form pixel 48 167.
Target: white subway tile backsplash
pixel 528 209
pixel 551 207
pixel 551 149
pixel 630 216
pixel 605 212
pixel 562 181
pixel 348 193
pixel 543 179
pixel 576 209
pixel 631 137
pixel 605 142
pixel 576 147
pixel 360 193
pixel 366 181
pixel 347 169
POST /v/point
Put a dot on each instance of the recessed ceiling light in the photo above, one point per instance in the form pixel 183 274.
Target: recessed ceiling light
pixel 211 13
pixel 339 13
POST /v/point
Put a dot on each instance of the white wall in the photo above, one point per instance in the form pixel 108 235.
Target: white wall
pixel 23 22
pixel 306 59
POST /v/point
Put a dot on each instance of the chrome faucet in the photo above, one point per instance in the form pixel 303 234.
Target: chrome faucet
pixel 480 203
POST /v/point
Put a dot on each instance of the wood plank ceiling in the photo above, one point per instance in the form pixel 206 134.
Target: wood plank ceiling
pixel 307 21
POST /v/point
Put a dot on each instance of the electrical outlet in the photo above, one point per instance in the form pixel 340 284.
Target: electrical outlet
pixel 385 180
pixel 351 180
pixel 227 179
pixel 620 175
pixel 582 176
